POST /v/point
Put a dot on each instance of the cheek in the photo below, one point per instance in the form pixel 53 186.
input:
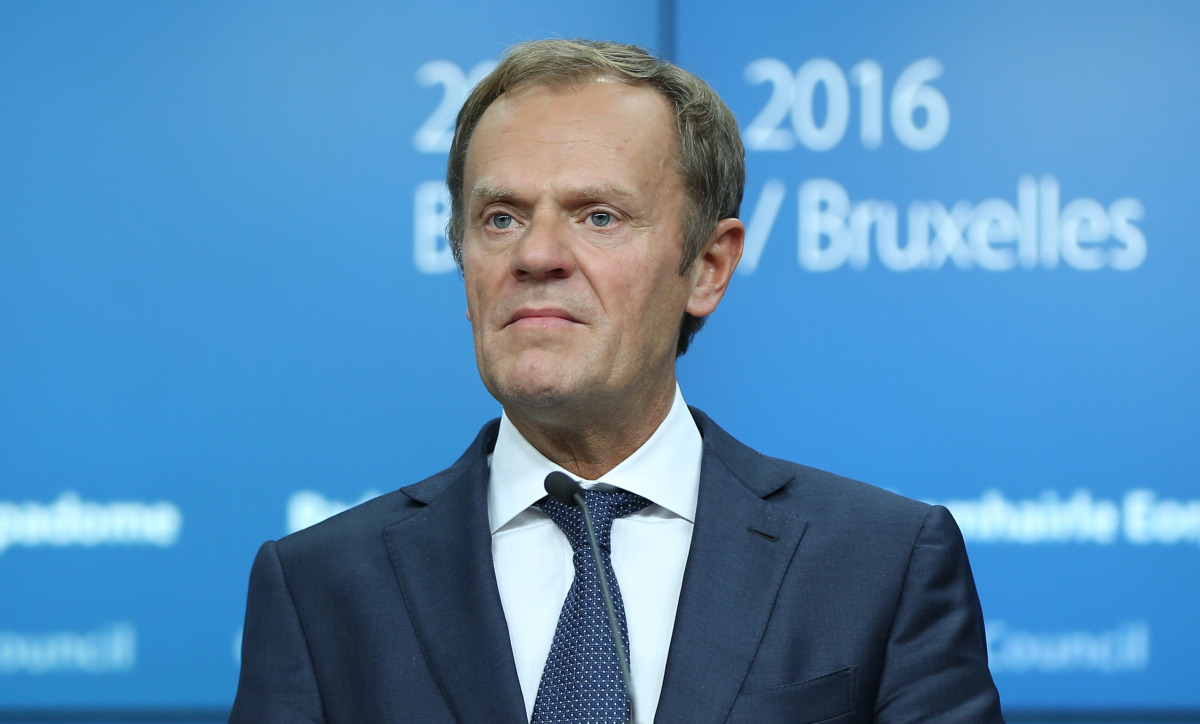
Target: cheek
pixel 476 285
pixel 652 307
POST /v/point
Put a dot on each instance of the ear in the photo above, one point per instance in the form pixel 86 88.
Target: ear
pixel 714 267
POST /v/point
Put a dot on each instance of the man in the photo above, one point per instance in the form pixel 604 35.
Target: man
pixel 595 192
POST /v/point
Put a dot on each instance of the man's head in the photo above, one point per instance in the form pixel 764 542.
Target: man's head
pixel 707 155
pixel 571 221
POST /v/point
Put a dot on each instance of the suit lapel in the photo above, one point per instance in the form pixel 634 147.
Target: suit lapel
pixel 442 554
pixel 741 548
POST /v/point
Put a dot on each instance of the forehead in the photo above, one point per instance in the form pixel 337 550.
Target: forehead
pixel 600 128
pixel 604 94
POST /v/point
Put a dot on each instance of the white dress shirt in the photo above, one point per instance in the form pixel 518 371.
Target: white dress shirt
pixel 649 549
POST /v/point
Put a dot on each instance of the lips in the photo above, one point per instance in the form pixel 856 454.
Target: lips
pixel 542 316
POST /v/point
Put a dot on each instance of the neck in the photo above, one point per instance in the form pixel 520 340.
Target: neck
pixel 591 442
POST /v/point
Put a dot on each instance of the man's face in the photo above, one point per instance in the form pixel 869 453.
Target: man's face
pixel 572 248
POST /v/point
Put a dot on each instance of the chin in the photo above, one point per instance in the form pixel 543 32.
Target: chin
pixel 539 389
pixel 534 378
pixel 530 394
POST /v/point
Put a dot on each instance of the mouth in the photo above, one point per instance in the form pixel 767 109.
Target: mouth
pixel 542 317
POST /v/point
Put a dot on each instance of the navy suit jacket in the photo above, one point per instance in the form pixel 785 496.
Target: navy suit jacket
pixel 807 597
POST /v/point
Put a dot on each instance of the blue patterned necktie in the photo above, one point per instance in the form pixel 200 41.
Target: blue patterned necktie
pixel 582 679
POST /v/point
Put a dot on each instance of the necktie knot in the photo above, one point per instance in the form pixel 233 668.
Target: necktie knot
pixel 605 507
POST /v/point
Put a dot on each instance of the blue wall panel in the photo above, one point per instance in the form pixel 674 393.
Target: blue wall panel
pixel 975 285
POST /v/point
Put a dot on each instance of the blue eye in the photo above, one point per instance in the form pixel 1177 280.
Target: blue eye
pixel 601 218
pixel 502 221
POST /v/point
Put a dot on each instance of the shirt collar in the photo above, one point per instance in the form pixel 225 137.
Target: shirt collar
pixel 665 469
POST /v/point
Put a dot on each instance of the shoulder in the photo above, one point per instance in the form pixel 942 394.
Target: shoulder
pixel 363 525
pixel 831 500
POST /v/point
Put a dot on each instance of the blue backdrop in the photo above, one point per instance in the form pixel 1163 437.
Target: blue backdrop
pixel 227 309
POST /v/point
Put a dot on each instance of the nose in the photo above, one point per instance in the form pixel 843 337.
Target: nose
pixel 545 250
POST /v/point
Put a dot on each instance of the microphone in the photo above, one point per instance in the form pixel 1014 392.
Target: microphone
pixel 567 491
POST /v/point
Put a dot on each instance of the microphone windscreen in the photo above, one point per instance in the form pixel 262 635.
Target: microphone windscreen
pixel 562 487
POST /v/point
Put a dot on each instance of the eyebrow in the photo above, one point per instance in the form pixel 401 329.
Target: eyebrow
pixel 600 192
pixel 486 192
